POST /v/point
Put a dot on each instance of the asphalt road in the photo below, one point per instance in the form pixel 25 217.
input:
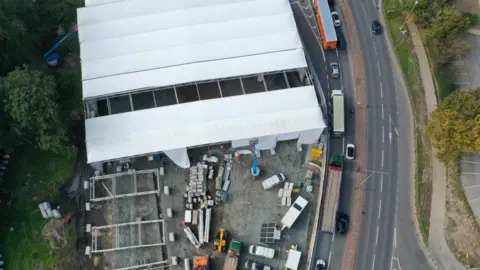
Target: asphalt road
pixel 329 247
pixel 388 239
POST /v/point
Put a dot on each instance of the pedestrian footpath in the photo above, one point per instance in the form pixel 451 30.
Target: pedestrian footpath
pixel 436 241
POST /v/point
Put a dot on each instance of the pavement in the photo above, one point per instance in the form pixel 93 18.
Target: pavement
pixel 437 243
pixel 470 168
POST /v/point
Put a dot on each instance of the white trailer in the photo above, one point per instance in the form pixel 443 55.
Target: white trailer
pixel 294 212
pixel 293 260
pixel 273 181
pixel 338 105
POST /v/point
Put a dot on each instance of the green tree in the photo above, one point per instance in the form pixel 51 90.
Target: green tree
pixel 454 127
pixel 30 100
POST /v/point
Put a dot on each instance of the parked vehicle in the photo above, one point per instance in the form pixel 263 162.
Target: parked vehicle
pixel 320 265
pixel 294 212
pixel 338 106
pixel 231 261
pixel 336 19
pixel 350 152
pixel 273 181
pixel 325 23
pixel 376 27
pixel 332 196
pixel 341 41
pixel 261 251
pixel 335 69
pixel 256 266
pixel 342 223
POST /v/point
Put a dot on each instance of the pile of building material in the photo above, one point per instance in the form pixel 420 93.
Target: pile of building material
pixel 285 194
pixel 198 203
pixel 308 181
pixel 222 182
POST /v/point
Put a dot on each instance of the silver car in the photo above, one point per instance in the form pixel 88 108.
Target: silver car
pixel 335 69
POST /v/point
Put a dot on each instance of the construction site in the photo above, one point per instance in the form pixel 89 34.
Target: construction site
pixel 197 134
pixel 149 213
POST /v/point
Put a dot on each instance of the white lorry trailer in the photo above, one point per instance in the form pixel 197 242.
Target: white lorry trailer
pixel 273 181
pixel 294 212
pixel 338 114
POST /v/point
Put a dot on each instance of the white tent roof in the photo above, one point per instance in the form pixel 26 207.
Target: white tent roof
pixel 128 45
pixel 203 122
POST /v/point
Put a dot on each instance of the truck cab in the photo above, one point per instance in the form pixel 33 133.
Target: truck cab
pixel 261 251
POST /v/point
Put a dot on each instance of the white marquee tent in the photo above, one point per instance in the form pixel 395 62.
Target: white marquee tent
pixel 141 44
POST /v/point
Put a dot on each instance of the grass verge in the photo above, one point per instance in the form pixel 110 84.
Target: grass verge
pixel 443 82
pixel 409 64
pixel 33 176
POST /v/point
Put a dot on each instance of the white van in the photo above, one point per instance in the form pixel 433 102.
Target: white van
pixel 261 251
pixel 273 181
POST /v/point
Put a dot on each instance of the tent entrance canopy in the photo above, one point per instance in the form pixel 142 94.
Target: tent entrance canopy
pixel 204 122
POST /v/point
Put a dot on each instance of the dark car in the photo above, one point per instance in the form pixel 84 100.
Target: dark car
pixel 256 266
pixel 331 3
pixel 341 41
pixel 342 223
pixel 376 27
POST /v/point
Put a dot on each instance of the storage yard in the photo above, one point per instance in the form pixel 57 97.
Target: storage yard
pixel 156 204
pixel 248 207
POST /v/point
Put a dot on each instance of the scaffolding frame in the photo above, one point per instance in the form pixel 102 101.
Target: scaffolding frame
pixel 113 193
pixel 139 224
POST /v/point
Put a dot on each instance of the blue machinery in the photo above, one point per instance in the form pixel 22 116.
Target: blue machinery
pixel 51 56
pixel 255 171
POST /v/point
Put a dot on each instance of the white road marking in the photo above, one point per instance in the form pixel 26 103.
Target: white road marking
pixel 376 237
pixel 383 134
pixel 382 157
pixel 364 10
pixel 333 237
pixel 379 208
pixel 378 66
pixel 381 183
pixel 375 48
pixel 395 237
pixel 329 256
pixel 383 116
pixel 336 51
pixel 373 264
pixel 343 144
pixel 381 90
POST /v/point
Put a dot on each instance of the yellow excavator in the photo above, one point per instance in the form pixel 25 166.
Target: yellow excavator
pixel 220 241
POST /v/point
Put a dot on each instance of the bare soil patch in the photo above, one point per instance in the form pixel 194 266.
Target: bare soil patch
pixel 462 231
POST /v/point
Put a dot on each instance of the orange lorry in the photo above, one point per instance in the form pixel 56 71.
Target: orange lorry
pixel 325 23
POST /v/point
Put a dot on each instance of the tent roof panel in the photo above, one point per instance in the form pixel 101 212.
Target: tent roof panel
pixel 207 70
pixel 114 10
pixel 152 130
pixel 180 18
pixel 194 53
pixel 192 34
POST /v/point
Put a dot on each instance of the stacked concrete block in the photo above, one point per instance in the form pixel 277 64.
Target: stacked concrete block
pixel 196 185
pixel 285 194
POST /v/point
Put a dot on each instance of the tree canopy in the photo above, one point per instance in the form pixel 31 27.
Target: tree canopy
pixel 454 127
pixel 31 101
pixel 443 24
pixel 40 105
